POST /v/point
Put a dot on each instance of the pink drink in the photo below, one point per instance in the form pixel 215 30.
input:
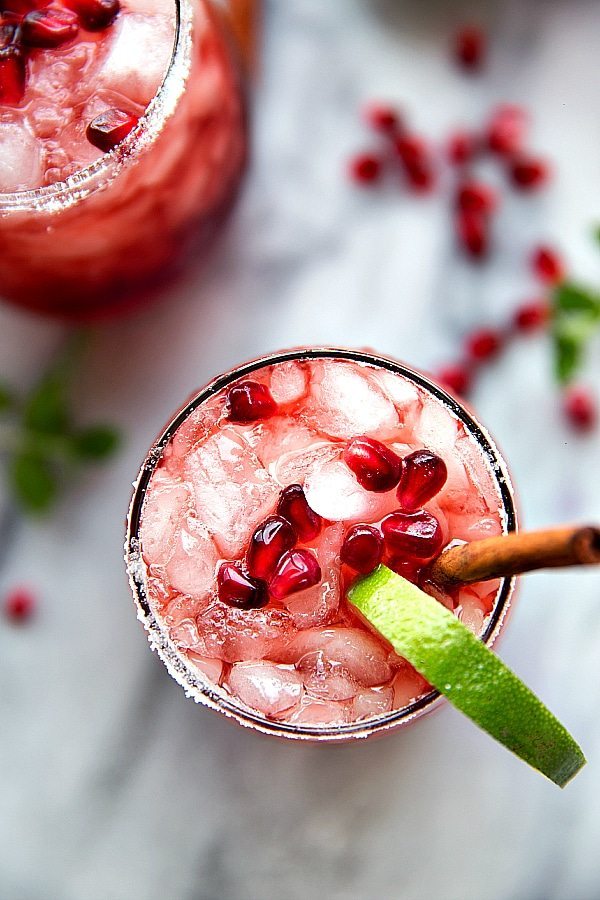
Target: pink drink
pixel 121 147
pixel 242 579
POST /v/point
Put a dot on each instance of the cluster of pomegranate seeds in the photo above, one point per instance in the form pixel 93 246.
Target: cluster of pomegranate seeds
pixel 376 467
pixel 110 128
pixel 249 401
pixel 267 545
pixel 294 507
pixel 19 605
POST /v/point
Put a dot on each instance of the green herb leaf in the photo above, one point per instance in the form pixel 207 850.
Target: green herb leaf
pixel 33 482
pixel 6 398
pixel 46 409
pixel 95 443
pixel 569 297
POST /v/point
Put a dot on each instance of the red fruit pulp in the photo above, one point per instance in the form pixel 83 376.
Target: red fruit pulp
pixel 294 507
pixel 376 467
pixel 362 548
pixel 250 401
pixel 413 535
pixel 423 475
pixel 268 544
pixel 238 589
pixel 297 570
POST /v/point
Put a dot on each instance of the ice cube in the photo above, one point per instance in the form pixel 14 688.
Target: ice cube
pixel 408 685
pixel 279 437
pixel 333 491
pixel 356 652
pixel 140 47
pixel 472 616
pixel 163 513
pixel 295 466
pixel 346 400
pixel 181 607
pixel 320 712
pixel 149 7
pixel 232 490
pixel 318 604
pixel 20 159
pixel 289 382
pixel 191 568
pixel 266 687
pixel 212 668
pixel 238 634
pixel 372 702
pixel 185 635
pixel 436 429
pixel 404 394
pixel 323 679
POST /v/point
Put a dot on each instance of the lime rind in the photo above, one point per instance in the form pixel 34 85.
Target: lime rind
pixel 467 673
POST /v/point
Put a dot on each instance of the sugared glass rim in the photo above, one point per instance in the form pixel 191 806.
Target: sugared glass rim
pixel 75 188
pixel 186 674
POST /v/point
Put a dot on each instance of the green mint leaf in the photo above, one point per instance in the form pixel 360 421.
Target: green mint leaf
pixel 46 409
pixel 6 397
pixel 571 332
pixel 95 443
pixel 33 482
pixel 569 297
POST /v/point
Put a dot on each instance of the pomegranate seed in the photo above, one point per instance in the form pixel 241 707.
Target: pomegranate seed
pixel 95 15
pixel 20 7
pixel 382 117
pixel 412 150
pixel 8 29
pixel 423 475
pixel 473 233
pixel 474 196
pixel 457 378
pixel 19 605
pixel 412 534
pixel 580 408
pixel 420 177
pixel 461 148
pixel 110 128
pixel 12 76
pixel 241 590
pixel 49 27
pixel 506 130
pixel 362 548
pixel 376 467
pixel 409 569
pixel 365 168
pixel 249 401
pixel 470 47
pixel 294 507
pixel 532 316
pixel 297 570
pixel 483 344
pixel 547 265
pixel 528 173
pixel 268 544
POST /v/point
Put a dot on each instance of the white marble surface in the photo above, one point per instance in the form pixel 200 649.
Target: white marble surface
pixel 112 785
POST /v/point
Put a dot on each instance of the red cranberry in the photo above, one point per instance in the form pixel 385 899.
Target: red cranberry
pixel 110 128
pixel 49 27
pixel 412 534
pixel 528 173
pixel 457 378
pixel 294 507
pixel 483 344
pixel 362 548
pixel 365 168
pixel 376 467
pixel 532 316
pixel 580 409
pixel 268 544
pixel 423 475
pixel 506 130
pixel 470 47
pixel 547 265
pixel 249 401
pixel 461 148
pixel 241 590
pixel 12 76
pixel 473 233
pixel 95 15
pixel 19 605
pixel 474 196
pixel 382 117
pixel 297 570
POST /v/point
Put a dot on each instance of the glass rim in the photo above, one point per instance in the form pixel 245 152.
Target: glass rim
pixel 184 673
pixel 148 129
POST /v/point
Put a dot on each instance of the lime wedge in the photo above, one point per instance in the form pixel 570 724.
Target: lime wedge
pixel 462 668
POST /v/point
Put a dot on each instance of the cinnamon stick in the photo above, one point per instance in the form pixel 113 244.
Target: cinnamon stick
pixel 513 554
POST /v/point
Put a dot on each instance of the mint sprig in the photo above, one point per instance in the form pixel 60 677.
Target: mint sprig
pixel 575 321
pixel 39 438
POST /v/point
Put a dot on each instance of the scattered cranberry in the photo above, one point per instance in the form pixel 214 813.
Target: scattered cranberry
pixel 472 230
pixel 365 168
pixel 475 196
pixel 294 507
pixel 580 408
pixel 49 27
pixel 376 467
pixel 470 47
pixel 297 570
pixel 12 76
pixel 110 128
pixel 412 534
pixel 462 148
pixel 457 378
pixel 547 265
pixel 423 475
pixel 249 401
pixel 528 173
pixel 532 316
pixel 382 117
pixel 483 344
pixel 268 544
pixel 362 548
pixel 241 590
pixel 19 605
pixel 506 130
pixel 95 15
